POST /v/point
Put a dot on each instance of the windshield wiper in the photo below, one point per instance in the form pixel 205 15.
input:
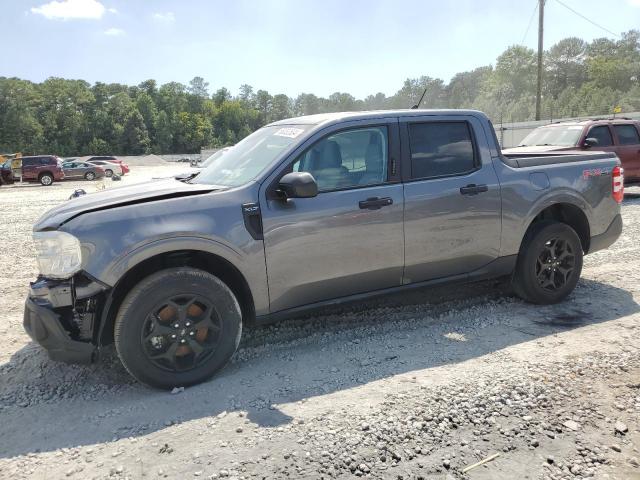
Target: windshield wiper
pixel 185 177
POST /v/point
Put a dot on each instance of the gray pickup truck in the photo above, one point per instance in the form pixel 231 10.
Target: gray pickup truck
pixel 303 213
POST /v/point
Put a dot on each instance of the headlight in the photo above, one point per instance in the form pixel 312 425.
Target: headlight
pixel 58 254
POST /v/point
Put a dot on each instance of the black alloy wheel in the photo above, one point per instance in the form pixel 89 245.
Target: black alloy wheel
pixel 181 333
pixel 555 264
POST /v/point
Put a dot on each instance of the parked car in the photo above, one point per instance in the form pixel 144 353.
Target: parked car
pixel 620 136
pixel 38 168
pixel 111 159
pixel 303 213
pixel 109 168
pixel 77 170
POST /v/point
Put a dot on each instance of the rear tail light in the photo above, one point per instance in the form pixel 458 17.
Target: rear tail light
pixel 617 179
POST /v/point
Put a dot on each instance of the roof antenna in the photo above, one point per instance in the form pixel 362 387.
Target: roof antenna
pixel 417 105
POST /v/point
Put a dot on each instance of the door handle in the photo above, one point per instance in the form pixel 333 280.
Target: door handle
pixel 375 203
pixel 473 189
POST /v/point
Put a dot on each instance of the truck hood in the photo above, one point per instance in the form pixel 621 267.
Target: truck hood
pixel 119 196
pixel 536 149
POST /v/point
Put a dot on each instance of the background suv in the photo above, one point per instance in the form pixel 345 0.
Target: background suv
pixel 618 135
pixel 38 168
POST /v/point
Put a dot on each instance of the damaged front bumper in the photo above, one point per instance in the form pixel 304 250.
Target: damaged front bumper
pixel 62 315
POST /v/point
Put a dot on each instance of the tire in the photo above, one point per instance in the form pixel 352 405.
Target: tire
pixel 45 179
pixel 108 172
pixel 90 176
pixel 172 303
pixel 549 263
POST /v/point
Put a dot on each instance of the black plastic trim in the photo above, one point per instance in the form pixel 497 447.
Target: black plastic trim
pixel 44 327
pixel 253 220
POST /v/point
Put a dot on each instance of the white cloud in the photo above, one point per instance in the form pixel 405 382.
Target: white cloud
pixel 166 17
pixel 70 10
pixel 114 32
pixel 634 3
pixel 112 10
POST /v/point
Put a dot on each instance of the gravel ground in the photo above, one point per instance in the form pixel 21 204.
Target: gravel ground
pixel 419 385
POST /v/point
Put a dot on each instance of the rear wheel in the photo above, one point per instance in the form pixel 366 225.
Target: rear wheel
pixel 90 176
pixel 177 327
pixel 45 179
pixel 108 172
pixel 549 263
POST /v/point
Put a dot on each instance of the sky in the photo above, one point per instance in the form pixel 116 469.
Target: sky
pixel 284 46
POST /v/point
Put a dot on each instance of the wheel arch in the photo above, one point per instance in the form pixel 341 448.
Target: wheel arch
pixel 198 259
pixel 569 214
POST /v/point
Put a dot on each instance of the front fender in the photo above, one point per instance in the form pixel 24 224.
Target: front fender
pixel 121 265
pixel 115 240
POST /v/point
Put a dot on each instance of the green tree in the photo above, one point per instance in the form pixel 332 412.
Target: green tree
pixel 135 138
pixel 198 87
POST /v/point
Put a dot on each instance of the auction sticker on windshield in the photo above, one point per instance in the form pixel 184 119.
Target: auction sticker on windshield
pixel 289 132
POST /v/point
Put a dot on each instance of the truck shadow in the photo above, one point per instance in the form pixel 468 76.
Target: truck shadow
pixel 46 405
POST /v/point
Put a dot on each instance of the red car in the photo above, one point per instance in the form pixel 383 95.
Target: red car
pixel 39 168
pixel 111 159
pixel 618 135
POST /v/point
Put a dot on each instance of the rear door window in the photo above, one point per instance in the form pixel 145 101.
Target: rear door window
pixel 627 134
pixel 602 134
pixel 441 149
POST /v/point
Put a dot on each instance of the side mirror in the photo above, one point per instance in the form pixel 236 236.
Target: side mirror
pixel 298 185
pixel 590 142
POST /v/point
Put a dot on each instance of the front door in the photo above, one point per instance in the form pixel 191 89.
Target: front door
pixel 348 239
pixel 452 198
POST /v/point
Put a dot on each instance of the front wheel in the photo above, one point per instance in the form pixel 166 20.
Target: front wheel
pixel 549 263
pixel 90 176
pixel 108 172
pixel 177 327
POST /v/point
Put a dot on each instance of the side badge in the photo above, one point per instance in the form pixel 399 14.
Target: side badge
pixel 252 220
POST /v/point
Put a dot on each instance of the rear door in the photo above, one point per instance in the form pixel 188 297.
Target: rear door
pixel 30 167
pixel 452 197
pixel 348 239
pixel 628 149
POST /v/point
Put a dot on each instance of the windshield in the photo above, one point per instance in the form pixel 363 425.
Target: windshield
pixel 213 158
pixel 561 135
pixel 247 159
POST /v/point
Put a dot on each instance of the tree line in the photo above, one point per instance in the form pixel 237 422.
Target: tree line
pixel 73 117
